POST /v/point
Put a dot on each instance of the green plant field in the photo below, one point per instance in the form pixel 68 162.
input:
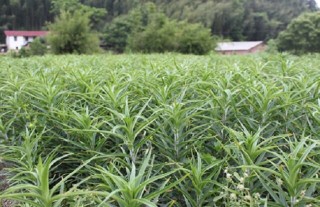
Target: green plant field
pixel 160 130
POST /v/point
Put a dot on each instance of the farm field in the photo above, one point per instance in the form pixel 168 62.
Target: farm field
pixel 160 130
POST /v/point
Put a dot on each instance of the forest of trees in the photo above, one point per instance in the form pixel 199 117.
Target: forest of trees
pixel 232 19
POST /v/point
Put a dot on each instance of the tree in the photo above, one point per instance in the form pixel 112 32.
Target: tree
pixel 147 30
pixel 95 15
pixel 312 5
pixel 238 19
pixel 71 33
pixel 159 36
pixel 302 35
pixel 117 33
pixel 194 38
pixel 234 19
pixel 23 15
pixel 227 19
pixel 165 35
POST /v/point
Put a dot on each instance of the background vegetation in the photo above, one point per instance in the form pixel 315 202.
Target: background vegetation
pixel 233 19
pixel 302 34
pixel 161 130
pixel 164 26
pixel 70 33
pixel 147 30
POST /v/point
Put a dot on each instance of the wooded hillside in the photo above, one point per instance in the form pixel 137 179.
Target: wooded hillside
pixel 234 19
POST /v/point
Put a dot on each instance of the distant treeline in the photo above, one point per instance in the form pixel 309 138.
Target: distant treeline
pixel 233 19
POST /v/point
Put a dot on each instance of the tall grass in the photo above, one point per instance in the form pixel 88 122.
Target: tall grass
pixel 161 130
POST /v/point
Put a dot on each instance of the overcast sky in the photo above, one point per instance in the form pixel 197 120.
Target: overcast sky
pixel 318 2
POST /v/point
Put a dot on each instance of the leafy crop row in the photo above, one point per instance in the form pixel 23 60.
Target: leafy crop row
pixel 160 130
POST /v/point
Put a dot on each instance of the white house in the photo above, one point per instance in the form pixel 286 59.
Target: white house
pixel 15 40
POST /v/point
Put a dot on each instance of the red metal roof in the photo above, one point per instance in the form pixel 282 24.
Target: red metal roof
pixel 25 33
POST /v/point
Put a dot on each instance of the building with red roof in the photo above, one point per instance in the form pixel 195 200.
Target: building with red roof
pixel 15 40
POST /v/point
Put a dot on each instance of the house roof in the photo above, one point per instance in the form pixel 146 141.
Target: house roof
pixel 236 46
pixel 25 33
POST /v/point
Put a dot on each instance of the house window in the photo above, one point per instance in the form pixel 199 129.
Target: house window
pixel 15 38
pixel 26 38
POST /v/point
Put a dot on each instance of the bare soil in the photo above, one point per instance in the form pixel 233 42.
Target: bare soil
pixel 4 185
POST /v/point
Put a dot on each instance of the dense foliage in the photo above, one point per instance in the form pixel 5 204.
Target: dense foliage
pixel 234 19
pixel 34 48
pixel 71 33
pixel 148 30
pixel 302 34
pixel 38 47
pixel 161 130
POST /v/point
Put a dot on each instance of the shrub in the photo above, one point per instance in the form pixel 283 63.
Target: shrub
pixel 172 36
pixel 38 47
pixel 117 33
pixel 159 36
pixel 23 52
pixel 147 30
pixel 71 33
pixel 195 39
pixel 272 46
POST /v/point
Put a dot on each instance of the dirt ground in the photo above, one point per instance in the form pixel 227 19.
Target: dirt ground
pixel 4 185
